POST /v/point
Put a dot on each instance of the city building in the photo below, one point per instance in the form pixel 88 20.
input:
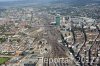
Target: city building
pixel 58 20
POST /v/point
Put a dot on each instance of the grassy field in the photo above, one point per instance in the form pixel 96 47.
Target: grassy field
pixel 3 60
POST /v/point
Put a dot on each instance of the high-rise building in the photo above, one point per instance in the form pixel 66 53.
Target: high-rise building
pixel 31 18
pixel 58 20
pixel 63 20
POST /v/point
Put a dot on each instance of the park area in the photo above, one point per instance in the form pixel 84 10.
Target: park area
pixel 3 60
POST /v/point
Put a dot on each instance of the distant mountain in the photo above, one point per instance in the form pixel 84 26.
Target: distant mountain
pixel 23 2
pixel 28 2
pixel 77 2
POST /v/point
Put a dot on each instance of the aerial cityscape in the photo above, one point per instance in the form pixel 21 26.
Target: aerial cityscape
pixel 49 32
